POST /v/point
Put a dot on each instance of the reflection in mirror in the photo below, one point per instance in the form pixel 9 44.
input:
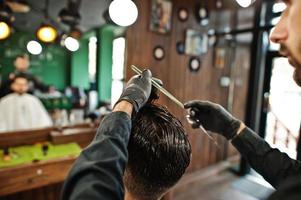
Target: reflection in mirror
pixel 53 96
pixel 68 87
pixel 19 109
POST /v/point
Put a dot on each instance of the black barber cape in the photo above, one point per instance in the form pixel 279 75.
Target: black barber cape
pixel 98 171
pixel 277 168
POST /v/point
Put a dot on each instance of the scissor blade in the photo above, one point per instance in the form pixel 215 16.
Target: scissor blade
pixel 159 87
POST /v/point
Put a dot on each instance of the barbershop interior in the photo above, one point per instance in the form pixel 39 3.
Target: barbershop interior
pixel 65 63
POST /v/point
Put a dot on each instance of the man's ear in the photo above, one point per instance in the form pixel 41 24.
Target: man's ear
pixel 11 76
pixel 126 178
pixel 129 183
pixel 11 86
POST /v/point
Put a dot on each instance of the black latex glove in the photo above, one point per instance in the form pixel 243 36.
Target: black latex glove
pixel 212 117
pixel 138 90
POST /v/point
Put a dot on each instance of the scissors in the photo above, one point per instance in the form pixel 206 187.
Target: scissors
pixel 192 111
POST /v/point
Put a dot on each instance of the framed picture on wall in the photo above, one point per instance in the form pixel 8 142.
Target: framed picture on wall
pixel 158 52
pixel 180 47
pixel 183 14
pixel 219 57
pixel 220 53
pixel 196 43
pixel 194 64
pixel 161 13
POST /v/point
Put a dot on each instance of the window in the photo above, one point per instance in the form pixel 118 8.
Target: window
pixel 93 95
pixel 284 116
pixel 117 69
pixel 92 58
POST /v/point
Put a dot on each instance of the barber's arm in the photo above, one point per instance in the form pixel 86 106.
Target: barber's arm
pixel 98 171
pixel 273 165
pixel 38 84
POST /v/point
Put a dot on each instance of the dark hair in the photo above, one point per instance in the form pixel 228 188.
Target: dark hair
pixel 22 56
pixel 159 152
pixel 20 75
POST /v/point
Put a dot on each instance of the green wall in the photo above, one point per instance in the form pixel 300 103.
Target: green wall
pixel 105 36
pixel 104 73
pixel 51 66
pixel 80 63
pixel 59 67
pixel 80 66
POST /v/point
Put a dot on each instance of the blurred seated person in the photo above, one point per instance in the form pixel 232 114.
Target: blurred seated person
pixel 77 96
pixel 20 110
pixel 21 65
pixel 103 109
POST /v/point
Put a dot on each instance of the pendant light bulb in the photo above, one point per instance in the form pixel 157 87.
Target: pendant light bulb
pixel 5 30
pixel 123 12
pixel 245 3
pixel 47 33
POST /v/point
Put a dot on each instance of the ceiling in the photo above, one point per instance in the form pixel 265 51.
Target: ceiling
pixel 91 12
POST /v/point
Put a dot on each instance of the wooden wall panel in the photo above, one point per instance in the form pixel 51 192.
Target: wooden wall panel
pixel 174 72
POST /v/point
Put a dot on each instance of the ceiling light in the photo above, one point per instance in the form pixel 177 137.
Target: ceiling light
pixel 245 3
pixel 75 33
pixel 279 7
pixel 34 47
pixel 18 6
pixel 47 33
pixel 6 13
pixel 69 17
pixel 6 18
pixel 5 30
pixel 123 12
pixel 71 44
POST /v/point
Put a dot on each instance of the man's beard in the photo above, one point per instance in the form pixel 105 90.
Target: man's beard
pixel 284 51
pixel 293 62
pixel 20 93
pixel 297 77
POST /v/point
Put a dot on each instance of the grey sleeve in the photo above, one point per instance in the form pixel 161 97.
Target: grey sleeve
pixel 98 171
pixel 272 164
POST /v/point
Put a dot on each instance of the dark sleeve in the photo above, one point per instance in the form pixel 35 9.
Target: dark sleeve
pixel 272 164
pixel 39 84
pixel 289 190
pixel 5 88
pixel 98 171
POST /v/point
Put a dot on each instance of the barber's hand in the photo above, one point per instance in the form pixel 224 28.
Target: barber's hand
pixel 213 117
pixel 138 90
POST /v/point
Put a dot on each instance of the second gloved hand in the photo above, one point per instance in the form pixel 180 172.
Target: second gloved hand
pixel 213 117
pixel 138 90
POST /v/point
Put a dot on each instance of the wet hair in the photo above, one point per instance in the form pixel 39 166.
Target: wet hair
pixel 159 152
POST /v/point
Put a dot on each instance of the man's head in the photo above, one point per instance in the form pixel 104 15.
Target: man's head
pixel 21 63
pixel 20 84
pixel 159 153
pixel 288 34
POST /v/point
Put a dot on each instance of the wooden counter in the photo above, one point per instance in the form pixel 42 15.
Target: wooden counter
pixel 40 180
pixel 36 175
